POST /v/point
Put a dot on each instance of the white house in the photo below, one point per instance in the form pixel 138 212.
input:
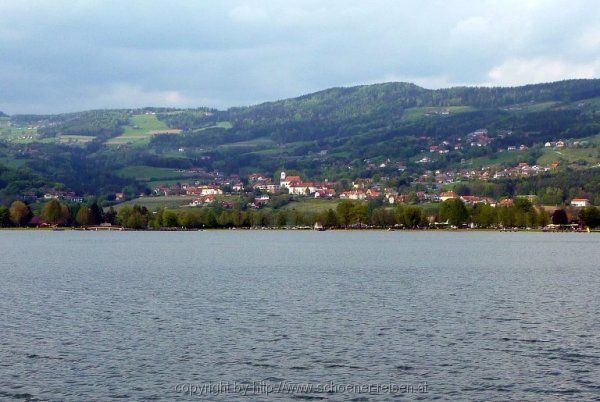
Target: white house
pixel 580 202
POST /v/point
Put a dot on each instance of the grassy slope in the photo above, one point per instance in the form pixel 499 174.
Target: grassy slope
pixel 141 128
pixel 153 203
pixel 312 205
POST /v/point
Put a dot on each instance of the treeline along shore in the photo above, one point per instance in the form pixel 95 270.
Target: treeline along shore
pixel 451 213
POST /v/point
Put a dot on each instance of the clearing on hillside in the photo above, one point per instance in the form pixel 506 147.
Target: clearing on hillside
pixel 141 128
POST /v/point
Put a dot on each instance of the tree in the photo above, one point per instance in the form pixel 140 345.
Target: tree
pixel 52 212
pixel 209 218
pixel 281 218
pixel 169 219
pixel 330 219
pixel 65 215
pixel 413 216
pixel 83 216
pixel 590 216
pixel 344 212
pixel 484 215
pixel 95 214
pixel 4 216
pixel 224 219
pixel 187 219
pixel 559 217
pixel 359 213
pixel 19 213
pixel 454 211
pixel 237 218
pixel 110 216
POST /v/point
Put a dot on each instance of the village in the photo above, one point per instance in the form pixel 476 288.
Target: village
pixel 262 187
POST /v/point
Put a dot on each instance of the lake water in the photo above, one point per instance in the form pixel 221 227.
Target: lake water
pixel 209 315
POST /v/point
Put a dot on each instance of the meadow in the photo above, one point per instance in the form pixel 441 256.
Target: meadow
pixel 141 129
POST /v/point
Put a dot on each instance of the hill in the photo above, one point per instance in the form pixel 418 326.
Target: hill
pixel 337 133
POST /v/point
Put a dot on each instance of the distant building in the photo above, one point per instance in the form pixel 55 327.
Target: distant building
pixel 580 202
pixel 447 195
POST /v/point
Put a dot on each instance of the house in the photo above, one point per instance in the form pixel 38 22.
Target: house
pixel 353 195
pixel 119 196
pixel 204 190
pixel 580 202
pixel 38 222
pixel 560 144
pixel 262 200
pixel 272 188
pixel 254 177
pixel 373 193
pixel 324 193
pixel 202 201
pixel 447 195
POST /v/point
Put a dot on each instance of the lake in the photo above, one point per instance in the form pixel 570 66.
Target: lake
pixel 282 314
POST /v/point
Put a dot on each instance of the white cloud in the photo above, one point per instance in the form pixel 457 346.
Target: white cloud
pixel 589 41
pixel 527 71
pixel 125 95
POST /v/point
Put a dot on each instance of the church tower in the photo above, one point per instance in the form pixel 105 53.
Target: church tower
pixel 282 177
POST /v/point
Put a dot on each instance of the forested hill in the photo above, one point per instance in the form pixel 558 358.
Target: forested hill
pixel 335 133
pixel 385 107
pixel 390 99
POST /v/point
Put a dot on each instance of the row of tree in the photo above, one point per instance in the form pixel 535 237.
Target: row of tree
pixel 55 213
pixel 347 214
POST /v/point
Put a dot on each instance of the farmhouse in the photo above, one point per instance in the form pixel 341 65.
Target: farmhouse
pixel 447 195
pixel 353 195
pixel 580 202
pixel 324 193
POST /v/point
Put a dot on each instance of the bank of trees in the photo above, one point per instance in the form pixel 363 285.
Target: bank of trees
pixel 54 213
pixel 347 214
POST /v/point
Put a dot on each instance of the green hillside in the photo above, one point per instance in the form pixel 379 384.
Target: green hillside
pixel 338 133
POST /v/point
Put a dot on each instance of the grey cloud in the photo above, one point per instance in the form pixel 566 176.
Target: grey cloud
pixel 71 55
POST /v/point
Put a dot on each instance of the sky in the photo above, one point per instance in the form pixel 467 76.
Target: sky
pixel 69 55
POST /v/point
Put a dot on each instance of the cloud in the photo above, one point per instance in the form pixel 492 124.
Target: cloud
pixel 125 95
pixel 64 55
pixel 527 71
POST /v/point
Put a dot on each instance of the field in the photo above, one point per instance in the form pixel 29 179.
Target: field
pixel 221 124
pixel 74 139
pixel 508 157
pixel 255 143
pixel 570 155
pixel 141 129
pixel 18 134
pixel 153 203
pixel 415 113
pixel 313 205
pixel 171 201
pixel 13 163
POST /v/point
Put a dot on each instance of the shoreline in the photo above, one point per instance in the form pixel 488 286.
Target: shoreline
pixel 270 229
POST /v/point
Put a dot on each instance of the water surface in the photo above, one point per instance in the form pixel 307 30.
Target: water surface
pixel 96 316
